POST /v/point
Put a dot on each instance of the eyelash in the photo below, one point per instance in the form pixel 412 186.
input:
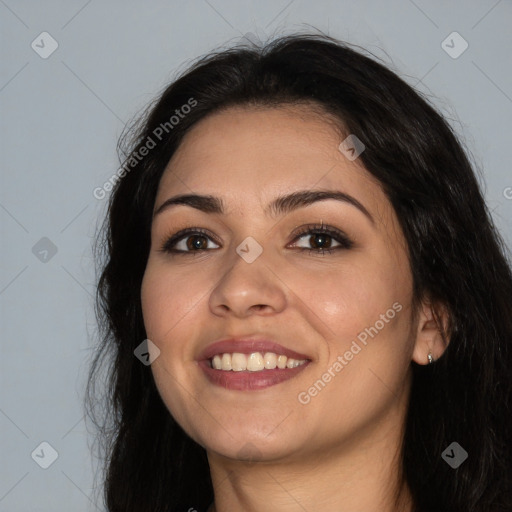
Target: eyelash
pixel 336 234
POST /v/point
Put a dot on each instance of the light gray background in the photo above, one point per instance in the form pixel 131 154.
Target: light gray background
pixel 60 119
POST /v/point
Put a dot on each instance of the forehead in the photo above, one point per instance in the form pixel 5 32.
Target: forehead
pixel 249 155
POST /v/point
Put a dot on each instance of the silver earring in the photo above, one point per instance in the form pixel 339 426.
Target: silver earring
pixel 430 358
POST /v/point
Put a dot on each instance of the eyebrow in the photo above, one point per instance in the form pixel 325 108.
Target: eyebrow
pixel 279 206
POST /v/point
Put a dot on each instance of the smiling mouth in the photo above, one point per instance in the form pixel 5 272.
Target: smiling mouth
pixel 250 364
pixel 253 362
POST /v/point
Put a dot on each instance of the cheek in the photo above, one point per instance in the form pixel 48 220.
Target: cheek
pixel 366 309
pixel 352 298
pixel 168 302
pixel 153 302
pixel 167 297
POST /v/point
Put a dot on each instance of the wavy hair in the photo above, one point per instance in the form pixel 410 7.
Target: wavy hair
pixel 457 256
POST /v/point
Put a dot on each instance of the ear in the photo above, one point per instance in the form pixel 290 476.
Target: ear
pixel 432 334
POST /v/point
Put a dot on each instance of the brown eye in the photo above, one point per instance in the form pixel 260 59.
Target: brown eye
pixel 188 241
pixel 320 239
pixel 196 242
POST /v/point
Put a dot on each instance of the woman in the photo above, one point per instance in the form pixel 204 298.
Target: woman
pixel 306 301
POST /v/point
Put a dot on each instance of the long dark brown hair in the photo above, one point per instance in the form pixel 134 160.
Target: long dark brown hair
pixel 457 258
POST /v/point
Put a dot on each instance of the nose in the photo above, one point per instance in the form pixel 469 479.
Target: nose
pixel 246 289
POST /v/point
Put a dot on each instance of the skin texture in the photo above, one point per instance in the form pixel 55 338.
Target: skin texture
pixel 340 451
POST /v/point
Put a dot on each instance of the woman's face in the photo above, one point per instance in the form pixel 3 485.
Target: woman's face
pixel 347 312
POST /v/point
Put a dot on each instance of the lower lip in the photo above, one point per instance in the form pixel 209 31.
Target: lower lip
pixel 247 380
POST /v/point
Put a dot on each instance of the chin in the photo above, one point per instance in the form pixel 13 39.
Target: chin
pixel 245 445
pixel 251 451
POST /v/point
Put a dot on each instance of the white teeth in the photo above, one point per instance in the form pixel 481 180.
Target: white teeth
pixel 253 362
pixel 270 360
pixel 226 362
pixel 281 362
pixel 238 362
pixel 217 362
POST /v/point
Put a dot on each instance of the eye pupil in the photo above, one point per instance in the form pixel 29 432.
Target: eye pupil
pixel 197 243
pixel 319 239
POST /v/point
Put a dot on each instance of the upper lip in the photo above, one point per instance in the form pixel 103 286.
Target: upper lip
pixel 248 346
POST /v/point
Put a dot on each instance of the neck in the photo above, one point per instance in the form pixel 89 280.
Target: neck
pixel 364 475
